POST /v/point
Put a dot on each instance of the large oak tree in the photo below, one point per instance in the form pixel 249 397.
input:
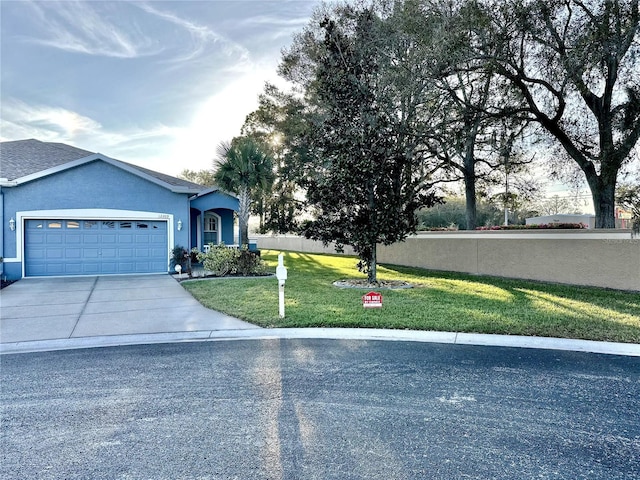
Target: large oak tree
pixel 576 64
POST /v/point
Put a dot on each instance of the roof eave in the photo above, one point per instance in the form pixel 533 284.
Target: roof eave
pixel 92 158
pixel 209 190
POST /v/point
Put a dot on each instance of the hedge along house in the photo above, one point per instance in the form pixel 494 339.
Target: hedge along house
pixel 67 211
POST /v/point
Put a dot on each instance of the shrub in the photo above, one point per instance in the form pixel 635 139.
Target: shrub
pixel 452 213
pixel 542 226
pixel 249 263
pixel 221 261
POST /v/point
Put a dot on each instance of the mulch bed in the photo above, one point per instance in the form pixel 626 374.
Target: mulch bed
pixel 186 277
pixel 6 283
pixel 383 284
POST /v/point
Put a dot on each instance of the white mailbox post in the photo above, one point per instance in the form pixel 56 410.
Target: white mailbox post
pixel 281 275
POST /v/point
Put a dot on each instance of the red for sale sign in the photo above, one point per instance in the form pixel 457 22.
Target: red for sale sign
pixel 372 300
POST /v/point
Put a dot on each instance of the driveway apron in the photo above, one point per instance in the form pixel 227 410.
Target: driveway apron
pixel 55 308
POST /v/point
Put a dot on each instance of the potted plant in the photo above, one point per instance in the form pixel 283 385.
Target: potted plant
pixel 179 256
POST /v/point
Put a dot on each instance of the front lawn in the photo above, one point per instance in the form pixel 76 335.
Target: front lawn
pixel 440 301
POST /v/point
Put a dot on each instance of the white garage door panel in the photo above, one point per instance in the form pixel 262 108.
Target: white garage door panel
pixel 93 247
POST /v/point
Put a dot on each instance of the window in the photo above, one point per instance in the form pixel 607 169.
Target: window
pixel 142 225
pixel 90 224
pixel 108 224
pixel 210 224
pixel 211 233
pixel 73 224
pixel 125 224
pixel 54 224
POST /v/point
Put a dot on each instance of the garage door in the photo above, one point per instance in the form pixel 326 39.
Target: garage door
pixel 93 247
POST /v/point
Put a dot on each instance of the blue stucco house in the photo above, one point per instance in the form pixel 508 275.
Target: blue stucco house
pixel 67 211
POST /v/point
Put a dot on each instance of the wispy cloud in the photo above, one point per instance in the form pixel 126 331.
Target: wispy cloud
pixel 77 26
pixel 113 29
pixel 195 72
pixel 20 120
pixel 276 21
pixel 273 26
pixel 202 36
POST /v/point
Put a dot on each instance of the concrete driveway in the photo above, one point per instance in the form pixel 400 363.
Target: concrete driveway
pixel 61 308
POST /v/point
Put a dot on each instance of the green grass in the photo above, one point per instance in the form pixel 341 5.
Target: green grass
pixel 440 301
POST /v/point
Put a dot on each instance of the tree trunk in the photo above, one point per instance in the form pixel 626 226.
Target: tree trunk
pixel 261 208
pixel 604 205
pixel 244 209
pixel 244 240
pixel 372 274
pixel 469 173
pixel 603 193
pixel 470 201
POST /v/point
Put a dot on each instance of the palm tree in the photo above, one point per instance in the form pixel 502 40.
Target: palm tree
pixel 243 167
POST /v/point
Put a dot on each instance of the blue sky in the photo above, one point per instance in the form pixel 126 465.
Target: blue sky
pixel 155 83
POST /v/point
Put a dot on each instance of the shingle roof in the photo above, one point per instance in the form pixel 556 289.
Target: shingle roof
pixel 20 158
pixel 167 178
pixel 24 157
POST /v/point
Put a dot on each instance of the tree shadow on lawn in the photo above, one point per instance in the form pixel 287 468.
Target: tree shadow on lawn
pixel 459 312
pixel 606 298
pixel 533 308
pixel 449 301
pixel 310 264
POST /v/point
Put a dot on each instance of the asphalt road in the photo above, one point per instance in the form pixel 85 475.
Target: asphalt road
pixel 319 409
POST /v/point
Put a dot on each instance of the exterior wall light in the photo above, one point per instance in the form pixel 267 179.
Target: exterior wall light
pixel 179 225
pixel 12 225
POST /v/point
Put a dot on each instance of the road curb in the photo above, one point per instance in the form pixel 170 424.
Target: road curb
pixel 585 346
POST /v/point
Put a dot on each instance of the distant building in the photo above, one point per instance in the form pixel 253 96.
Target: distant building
pixel 624 218
pixel 588 220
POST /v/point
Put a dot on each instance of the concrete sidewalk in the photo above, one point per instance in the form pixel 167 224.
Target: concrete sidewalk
pixel 36 309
